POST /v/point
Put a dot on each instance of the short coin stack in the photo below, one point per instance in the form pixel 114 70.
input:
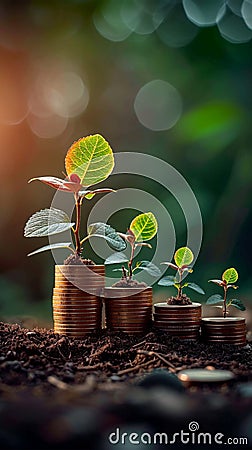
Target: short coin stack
pixel 128 310
pixel 182 321
pixel 231 330
pixel 77 306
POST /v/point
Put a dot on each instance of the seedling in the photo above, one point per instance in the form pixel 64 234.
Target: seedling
pixel 229 277
pixel 183 257
pixel 88 162
pixel 142 228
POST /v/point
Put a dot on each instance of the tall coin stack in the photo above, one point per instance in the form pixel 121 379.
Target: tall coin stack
pixel 77 306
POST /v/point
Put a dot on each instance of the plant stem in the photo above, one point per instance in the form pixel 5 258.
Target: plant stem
pixel 180 285
pixel 131 261
pixel 225 302
pixel 77 228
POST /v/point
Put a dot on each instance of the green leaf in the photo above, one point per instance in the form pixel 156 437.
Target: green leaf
pixel 216 298
pixel 91 158
pixel 144 226
pixel 116 258
pixel 150 268
pixel 183 256
pixel 167 281
pixel 195 287
pixel 90 194
pixel 47 222
pixel 108 233
pixel 238 304
pixel 52 247
pixel 230 275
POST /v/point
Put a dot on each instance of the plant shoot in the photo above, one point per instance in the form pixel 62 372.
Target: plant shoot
pixel 183 258
pixel 229 277
pixel 142 228
pixel 88 161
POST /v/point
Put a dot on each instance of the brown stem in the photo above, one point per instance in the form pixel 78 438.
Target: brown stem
pixel 77 228
pixel 124 272
pixel 225 302
pixel 131 261
pixel 180 285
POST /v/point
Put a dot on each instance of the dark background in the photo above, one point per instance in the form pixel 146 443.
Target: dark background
pixel 73 68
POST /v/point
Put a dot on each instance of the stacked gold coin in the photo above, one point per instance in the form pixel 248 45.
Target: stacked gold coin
pixel 131 314
pixel 231 330
pixel 182 321
pixel 77 306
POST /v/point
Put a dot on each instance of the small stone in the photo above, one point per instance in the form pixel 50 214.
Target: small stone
pixel 30 333
pixel 162 378
pixel 115 378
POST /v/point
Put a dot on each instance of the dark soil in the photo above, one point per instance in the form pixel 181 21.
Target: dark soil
pixel 76 260
pixel 64 393
pixel 183 300
pixel 129 283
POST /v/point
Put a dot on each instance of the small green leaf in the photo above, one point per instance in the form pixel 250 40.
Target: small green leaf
pixel 237 304
pixel 216 298
pixel 183 257
pixel 108 233
pixel 144 227
pixel 230 275
pixel 116 258
pixel 150 268
pixel 91 158
pixel 47 222
pixel 90 194
pixel 167 281
pixel 195 287
pixel 52 247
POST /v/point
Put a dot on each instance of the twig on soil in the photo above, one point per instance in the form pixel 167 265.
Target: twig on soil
pixel 137 367
pixel 99 351
pixel 88 386
pixel 94 367
pixel 139 344
pixel 157 355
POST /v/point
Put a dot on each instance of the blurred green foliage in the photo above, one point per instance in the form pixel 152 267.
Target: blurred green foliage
pixel 116 48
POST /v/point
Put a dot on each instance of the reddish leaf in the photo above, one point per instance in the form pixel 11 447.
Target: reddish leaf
pixel 58 183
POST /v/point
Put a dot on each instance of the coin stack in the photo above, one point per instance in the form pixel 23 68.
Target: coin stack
pixel 77 306
pixel 130 313
pixel 180 321
pixel 231 330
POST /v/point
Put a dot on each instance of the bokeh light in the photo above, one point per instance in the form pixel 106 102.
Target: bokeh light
pixel 47 127
pixel 176 30
pixel 158 105
pixel 234 29
pixel 140 16
pixel 246 11
pixel 204 13
pixel 108 21
pixel 235 6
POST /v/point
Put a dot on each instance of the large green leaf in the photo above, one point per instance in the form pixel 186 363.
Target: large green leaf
pixel 47 222
pixel 116 258
pixel 238 304
pixel 108 233
pixel 216 298
pixel 144 227
pixel 183 256
pixel 91 158
pixel 230 275
pixel 195 287
pixel 52 247
pixel 167 281
pixel 150 268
